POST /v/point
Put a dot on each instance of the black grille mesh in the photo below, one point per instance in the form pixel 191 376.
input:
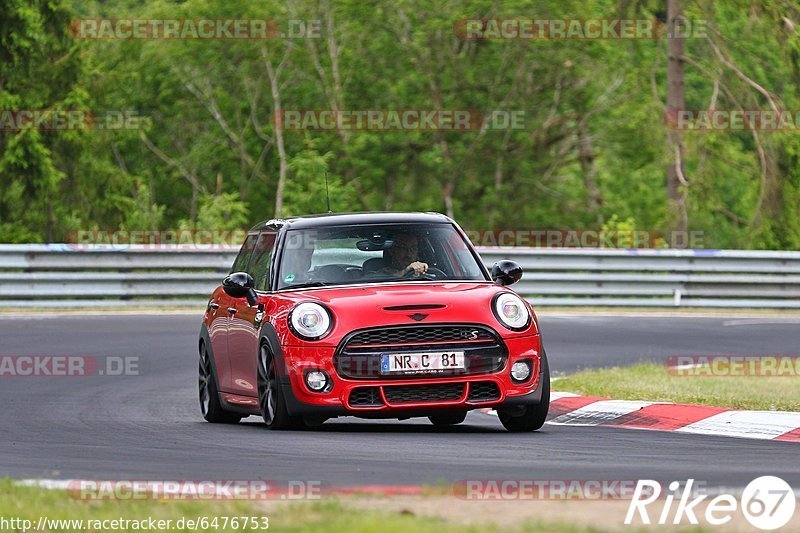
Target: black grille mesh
pixel 400 336
pixel 424 393
pixel 366 396
pixel 479 391
pixel 483 391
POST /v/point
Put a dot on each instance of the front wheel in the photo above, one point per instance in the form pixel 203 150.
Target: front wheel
pixel 533 416
pixel 270 396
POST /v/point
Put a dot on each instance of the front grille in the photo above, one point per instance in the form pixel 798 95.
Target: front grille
pixel 418 335
pixel 447 392
pixel 366 397
pixel 359 354
pixel 483 391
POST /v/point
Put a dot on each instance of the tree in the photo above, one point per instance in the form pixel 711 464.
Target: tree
pixel 40 69
pixel 677 186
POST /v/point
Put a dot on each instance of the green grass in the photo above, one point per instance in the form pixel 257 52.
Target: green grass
pixel 651 381
pixel 319 516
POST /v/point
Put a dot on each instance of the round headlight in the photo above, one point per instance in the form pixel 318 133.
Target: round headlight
pixel 310 321
pixel 511 311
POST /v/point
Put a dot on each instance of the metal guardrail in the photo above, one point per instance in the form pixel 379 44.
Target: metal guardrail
pixel 60 275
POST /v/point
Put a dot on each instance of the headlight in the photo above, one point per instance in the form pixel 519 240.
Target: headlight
pixel 511 311
pixel 310 321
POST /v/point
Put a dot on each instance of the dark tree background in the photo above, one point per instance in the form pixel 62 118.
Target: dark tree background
pixel 595 150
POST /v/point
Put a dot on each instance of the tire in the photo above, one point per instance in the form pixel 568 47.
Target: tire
pixel 448 419
pixel 271 402
pixel 534 416
pixel 210 406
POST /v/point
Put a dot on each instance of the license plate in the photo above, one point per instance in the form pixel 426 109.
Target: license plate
pixel 420 363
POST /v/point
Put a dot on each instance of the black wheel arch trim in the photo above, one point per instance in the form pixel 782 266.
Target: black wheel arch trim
pixel 269 336
pixel 205 339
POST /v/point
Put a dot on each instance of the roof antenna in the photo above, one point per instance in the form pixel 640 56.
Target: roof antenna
pixel 327 192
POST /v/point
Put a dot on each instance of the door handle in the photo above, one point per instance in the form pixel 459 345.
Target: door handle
pixel 232 310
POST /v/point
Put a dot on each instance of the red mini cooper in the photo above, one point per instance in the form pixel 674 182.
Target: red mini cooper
pixel 374 315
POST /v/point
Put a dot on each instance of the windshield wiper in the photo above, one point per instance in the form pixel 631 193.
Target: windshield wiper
pixel 308 284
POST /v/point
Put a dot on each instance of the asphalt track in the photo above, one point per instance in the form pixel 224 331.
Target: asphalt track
pixel 147 426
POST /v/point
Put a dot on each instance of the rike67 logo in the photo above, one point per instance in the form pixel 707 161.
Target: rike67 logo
pixel 767 502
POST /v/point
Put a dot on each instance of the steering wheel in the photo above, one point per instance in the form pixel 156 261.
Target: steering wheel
pixel 331 273
pixel 432 273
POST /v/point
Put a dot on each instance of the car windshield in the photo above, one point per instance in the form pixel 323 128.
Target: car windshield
pixel 336 255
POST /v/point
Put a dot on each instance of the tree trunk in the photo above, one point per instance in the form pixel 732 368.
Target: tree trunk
pixel 586 157
pixel 676 183
pixel 283 165
pixel 193 207
pixel 447 192
pixel 494 208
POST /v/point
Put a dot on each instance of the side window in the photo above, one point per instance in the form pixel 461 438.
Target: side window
pixel 240 263
pixel 262 257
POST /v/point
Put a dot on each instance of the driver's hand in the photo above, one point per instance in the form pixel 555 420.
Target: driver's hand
pixel 417 267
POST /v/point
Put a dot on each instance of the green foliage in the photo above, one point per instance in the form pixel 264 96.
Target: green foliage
pixel 222 212
pixel 39 71
pixel 627 234
pixel 141 212
pixel 211 108
pixel 305 189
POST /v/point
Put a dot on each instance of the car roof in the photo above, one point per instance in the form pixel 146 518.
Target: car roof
pixel 350 219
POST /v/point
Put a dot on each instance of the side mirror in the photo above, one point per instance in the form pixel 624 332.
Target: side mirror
pixel 506 272
pixel 240 285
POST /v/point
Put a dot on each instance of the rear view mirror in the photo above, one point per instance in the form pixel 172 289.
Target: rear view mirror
pixel 240 285
pixel 506 272
pixel 370 245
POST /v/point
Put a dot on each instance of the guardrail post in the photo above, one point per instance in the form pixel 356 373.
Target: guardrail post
pixel 676 298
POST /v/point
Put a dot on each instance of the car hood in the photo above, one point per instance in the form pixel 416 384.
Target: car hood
pixel 363 306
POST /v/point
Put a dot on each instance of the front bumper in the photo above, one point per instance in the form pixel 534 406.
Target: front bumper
pixel 412 396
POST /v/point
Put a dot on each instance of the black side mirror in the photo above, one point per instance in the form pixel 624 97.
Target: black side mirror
pixel 506 272
pixel 240 285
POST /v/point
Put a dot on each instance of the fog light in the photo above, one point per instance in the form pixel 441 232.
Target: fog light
pixel 520 371
pixel 316 380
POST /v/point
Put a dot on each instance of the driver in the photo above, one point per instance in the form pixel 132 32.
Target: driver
pixel 402 257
